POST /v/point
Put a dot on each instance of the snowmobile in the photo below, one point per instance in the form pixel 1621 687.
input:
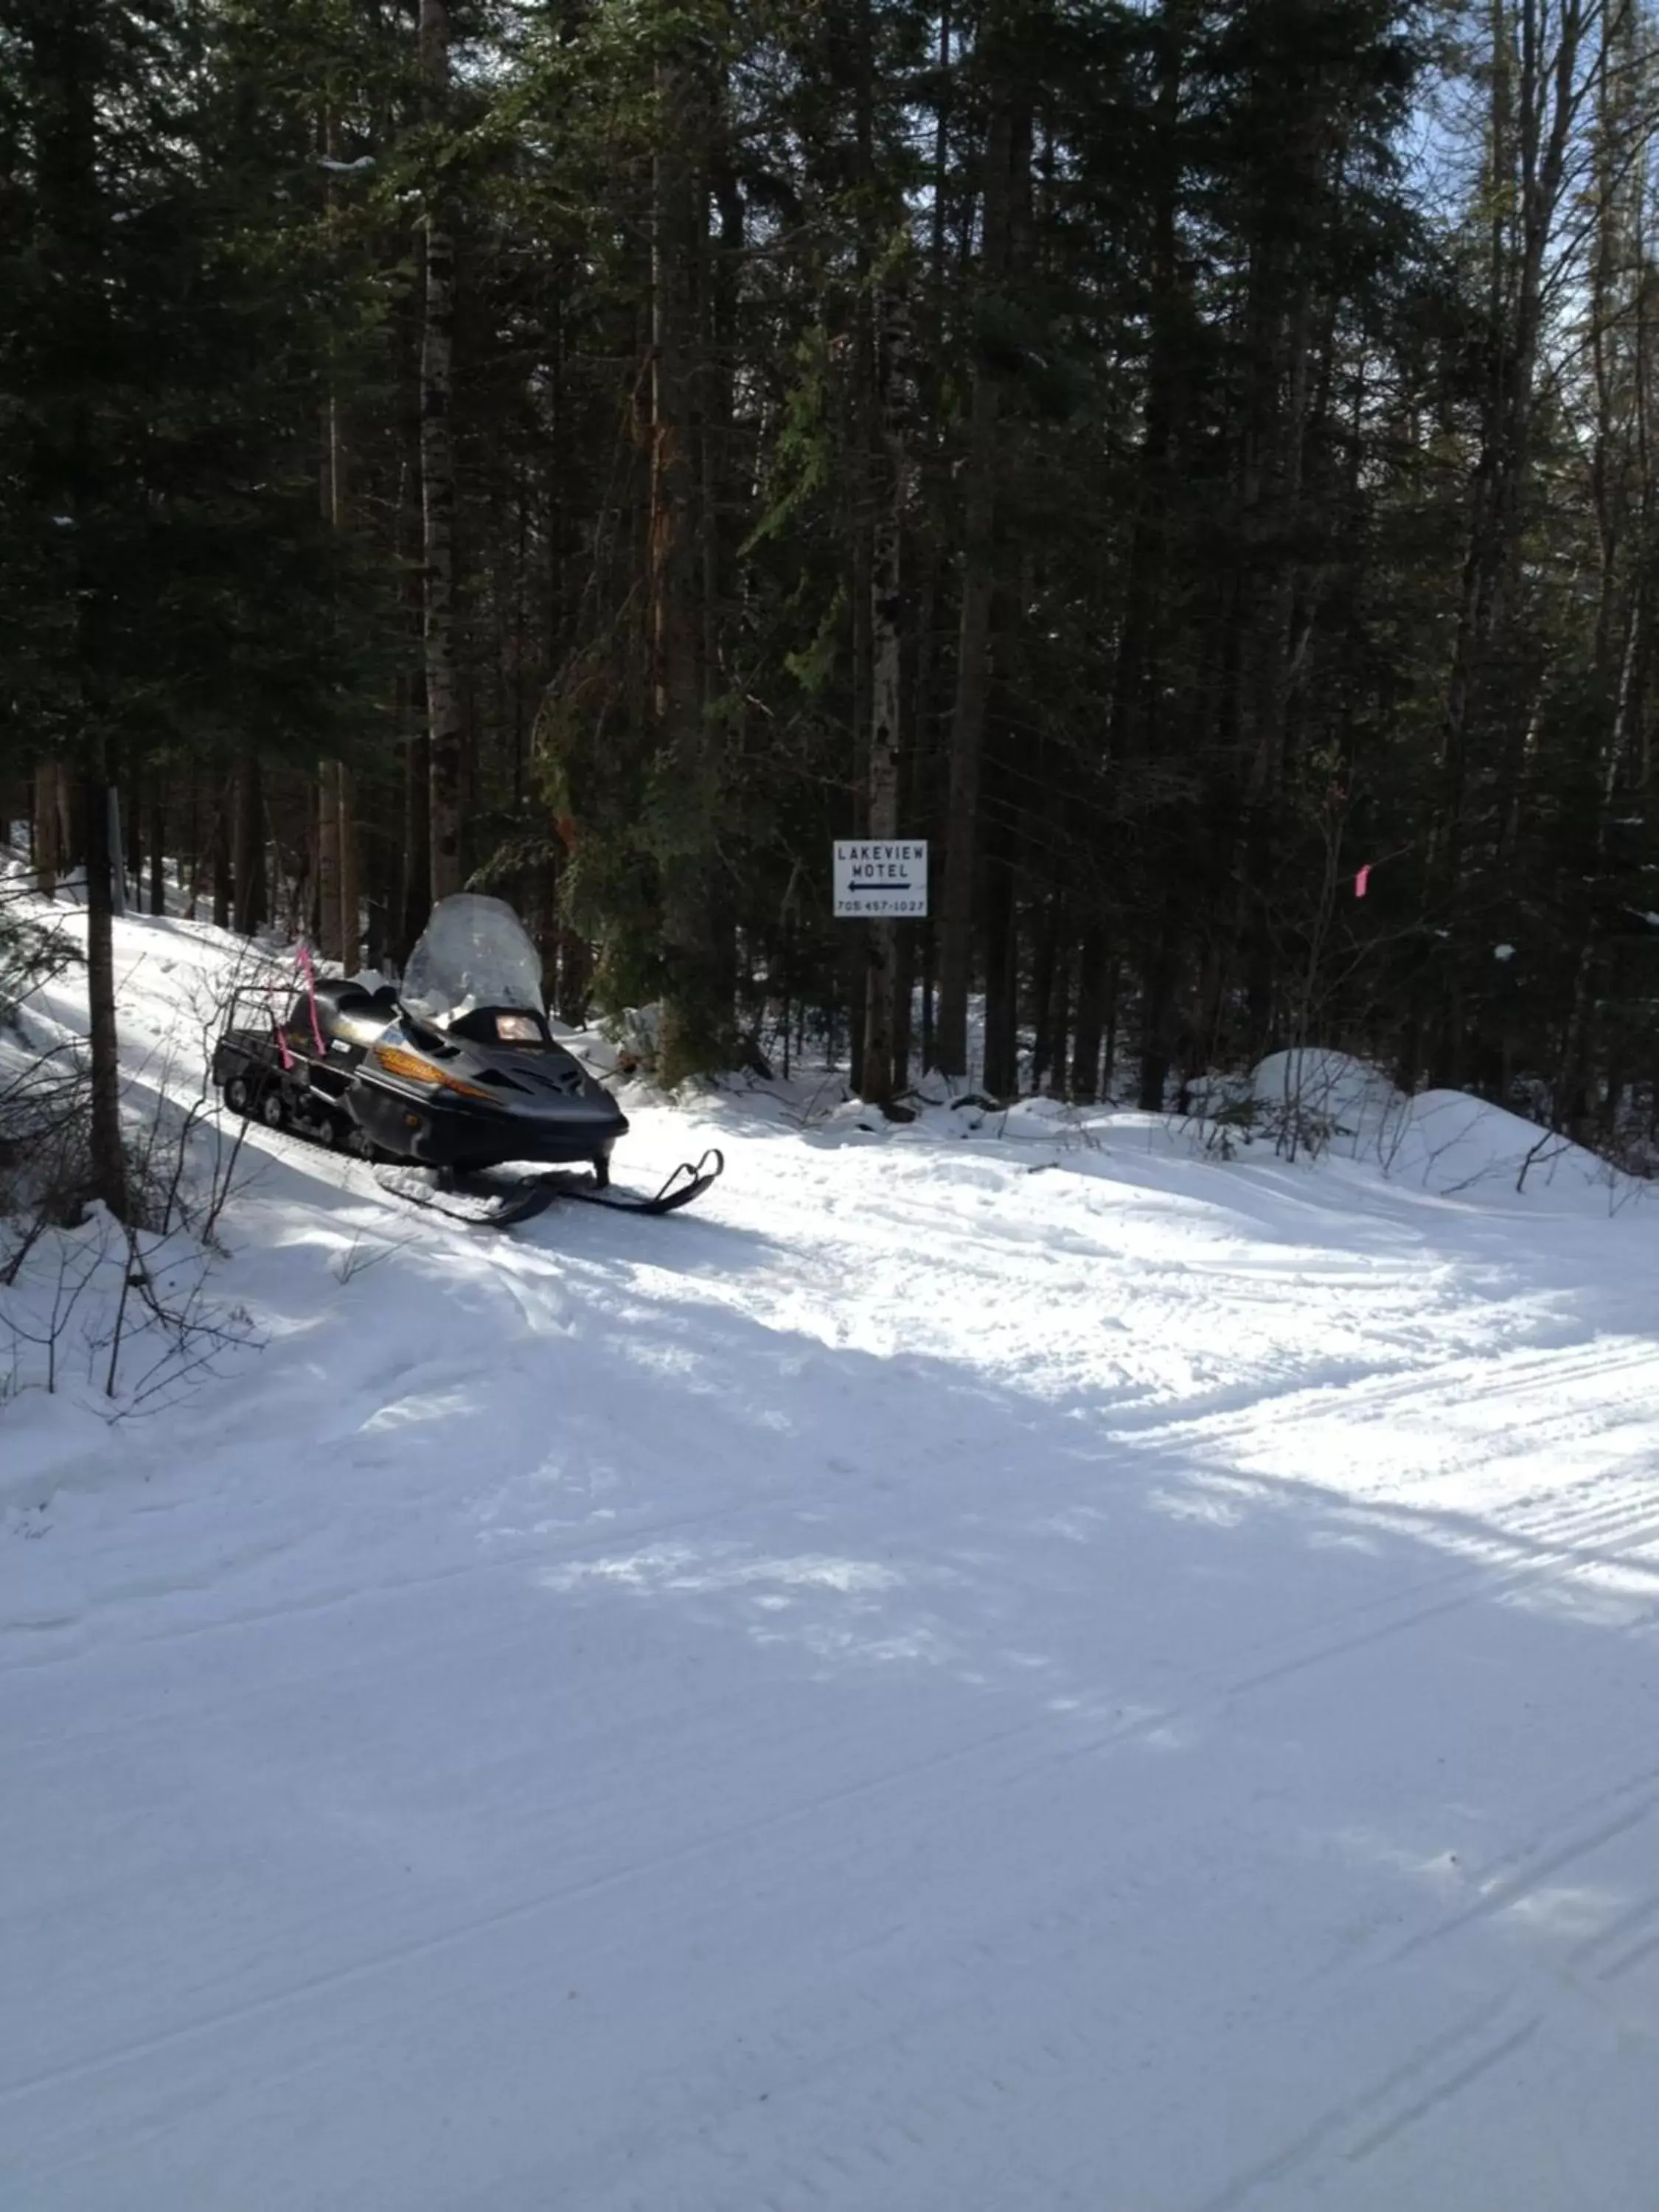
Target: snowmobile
pixel 443 1082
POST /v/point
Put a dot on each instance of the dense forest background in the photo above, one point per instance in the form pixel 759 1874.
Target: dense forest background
pixel 1192 463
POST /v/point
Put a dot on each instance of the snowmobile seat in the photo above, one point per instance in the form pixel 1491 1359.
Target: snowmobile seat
pixel 344 1009
pixel 347 998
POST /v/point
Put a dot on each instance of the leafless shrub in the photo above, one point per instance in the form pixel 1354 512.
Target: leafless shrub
pixel 830 1093
pixel 44 1099
pixel 69 1266
pixel 360 1255
pixel 125 1308
pixel 1229 1128
pixel 1228 1116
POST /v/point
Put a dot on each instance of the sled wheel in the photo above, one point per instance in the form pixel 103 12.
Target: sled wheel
pixel 327 1135
pixel 602 1173
pixel 236 1094
pixel 360 1143
pixel 272 1112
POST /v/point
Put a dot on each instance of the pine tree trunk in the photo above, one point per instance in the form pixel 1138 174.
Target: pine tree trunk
pixel 1620 250
pixel 46 840
pixel 107 1157
pixel 118 876
pixel 1059 1020
pixel 193 846
pixel 1157 1005
pixel 697 995
pixel 1050 996
pixel 1109 1066
pixel 350 920
pixel 223 805
pixel 71 806
pixel 1090 1016
pixel 973 645
pixel 415 901
pixel 1139 737
pixel 438 489
pixel 891 367
pixel 904 978
pixel 248 864
pixel 1002 970
pixel 1536 95
pixel 337 859
pixel 575 976
pixel 328 859
pixel 412 896
pixel 158 881
pixel 132 856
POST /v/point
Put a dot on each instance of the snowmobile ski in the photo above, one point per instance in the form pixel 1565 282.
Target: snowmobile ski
pixel 689 1181
pixel 475 1200
pixel 485 1201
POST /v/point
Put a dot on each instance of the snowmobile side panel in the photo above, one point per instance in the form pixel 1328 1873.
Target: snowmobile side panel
pixel 434 1130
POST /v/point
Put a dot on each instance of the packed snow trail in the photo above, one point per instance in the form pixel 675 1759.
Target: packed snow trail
pixel 926 1686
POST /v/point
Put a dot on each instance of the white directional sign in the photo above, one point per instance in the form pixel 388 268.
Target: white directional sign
pixel 874 880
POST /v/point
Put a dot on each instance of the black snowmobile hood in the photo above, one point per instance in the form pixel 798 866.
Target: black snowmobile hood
pixel 531 1076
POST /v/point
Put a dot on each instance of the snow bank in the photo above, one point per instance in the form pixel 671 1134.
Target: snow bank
pixel 1454 1144
pixel 1357 1098
pixel 1443 1142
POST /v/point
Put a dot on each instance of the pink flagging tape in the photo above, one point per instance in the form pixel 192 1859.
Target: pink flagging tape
pixel 1361 879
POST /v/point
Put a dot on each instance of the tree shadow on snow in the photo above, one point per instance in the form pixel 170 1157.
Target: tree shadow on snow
pixel 837 1681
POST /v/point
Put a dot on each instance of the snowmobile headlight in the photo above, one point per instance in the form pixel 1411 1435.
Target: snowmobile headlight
pixel 413 1068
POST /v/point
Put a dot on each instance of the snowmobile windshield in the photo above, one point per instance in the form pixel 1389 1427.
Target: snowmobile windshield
pixel 474 951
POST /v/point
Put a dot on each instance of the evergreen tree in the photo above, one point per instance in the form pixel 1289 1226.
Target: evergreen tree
pixel 1079 436
pixel 168 587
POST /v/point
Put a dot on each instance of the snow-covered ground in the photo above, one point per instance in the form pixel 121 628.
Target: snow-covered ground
pixel 983 1670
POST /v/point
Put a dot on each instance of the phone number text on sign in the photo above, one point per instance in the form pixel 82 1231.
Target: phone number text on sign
pixel 875 879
